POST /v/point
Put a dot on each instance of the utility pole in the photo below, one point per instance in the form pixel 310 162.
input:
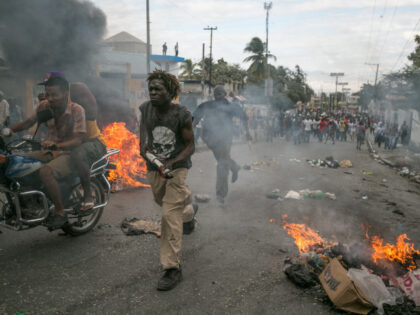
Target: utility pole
pixel 268 81
pixel 267 7
pixel 342 84
pixel 211 29
pixel 203 70
pixel 336 75
pixel 376 77
pixel 148 37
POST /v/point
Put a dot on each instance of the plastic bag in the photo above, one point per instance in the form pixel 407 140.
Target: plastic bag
pixel 292 195
pixel 372 287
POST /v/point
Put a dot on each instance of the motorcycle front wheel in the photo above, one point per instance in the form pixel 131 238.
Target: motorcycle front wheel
pixel 80 224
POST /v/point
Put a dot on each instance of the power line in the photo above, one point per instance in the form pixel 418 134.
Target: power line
pixel 406 43
pixel 389 29
pixel 381 25
pixel 362 71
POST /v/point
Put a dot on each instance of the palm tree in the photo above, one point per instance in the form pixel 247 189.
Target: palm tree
pixel 257 69
pixel 189 70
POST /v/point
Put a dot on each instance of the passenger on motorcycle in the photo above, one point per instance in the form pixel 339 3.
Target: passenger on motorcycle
pixel 66 131
pixel 93 146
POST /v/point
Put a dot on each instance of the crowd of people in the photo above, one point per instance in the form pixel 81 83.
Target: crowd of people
pixel 328 128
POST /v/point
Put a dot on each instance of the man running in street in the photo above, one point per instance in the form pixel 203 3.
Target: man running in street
pixel 166 131
pixel 218 134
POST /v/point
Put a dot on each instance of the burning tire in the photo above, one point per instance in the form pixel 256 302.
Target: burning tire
pixel 81 224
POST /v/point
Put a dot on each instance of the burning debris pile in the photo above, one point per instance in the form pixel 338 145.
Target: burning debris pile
pixel 130 166
pixel 357 277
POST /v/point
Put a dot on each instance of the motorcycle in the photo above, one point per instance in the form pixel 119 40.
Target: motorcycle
pixel 24 203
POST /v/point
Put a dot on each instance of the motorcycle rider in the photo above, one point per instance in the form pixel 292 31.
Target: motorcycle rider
pixel 66 131
pixel 93 146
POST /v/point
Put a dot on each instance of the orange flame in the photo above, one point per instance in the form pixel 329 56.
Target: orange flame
pixel 306 239
pixel 130 165
pixel 403 251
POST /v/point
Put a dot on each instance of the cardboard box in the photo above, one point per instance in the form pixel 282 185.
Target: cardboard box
pixel 342 291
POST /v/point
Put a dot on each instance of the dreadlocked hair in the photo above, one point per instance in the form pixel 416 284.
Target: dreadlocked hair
pixel 169 81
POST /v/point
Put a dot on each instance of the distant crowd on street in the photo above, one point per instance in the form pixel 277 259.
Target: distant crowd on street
pixel 325 127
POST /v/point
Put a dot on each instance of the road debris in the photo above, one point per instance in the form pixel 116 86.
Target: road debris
pixel 275 194
pixel 307 193
pixel 342 291
pixel 294 160
pixel 203 198
pixel 384 284
pixel 372 287
pixel 365 197
pixel 411 175
pixel 299 274
pixel 293 195
pixel 328 162
pixel 136 226
pixel 345 163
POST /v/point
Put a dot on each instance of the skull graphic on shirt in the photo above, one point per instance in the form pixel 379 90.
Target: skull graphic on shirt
pixel 163 142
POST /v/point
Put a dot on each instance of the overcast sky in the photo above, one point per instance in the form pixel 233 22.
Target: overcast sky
pixel 322 36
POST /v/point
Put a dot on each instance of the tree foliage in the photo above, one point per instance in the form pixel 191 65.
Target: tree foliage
pixel 257 70
pixel 189 70
pixel 289 86
pixel 403 85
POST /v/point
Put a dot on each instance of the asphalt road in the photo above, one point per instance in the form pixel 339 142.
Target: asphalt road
pixel 232 263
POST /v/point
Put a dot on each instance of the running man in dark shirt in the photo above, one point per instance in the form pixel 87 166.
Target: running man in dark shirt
pixel 218 132
pixel 166 131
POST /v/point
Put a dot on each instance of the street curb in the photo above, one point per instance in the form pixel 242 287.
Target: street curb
pixel 377 156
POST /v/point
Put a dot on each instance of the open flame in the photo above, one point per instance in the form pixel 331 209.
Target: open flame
pixel 305 238
pixel 130 165
pixel 403 251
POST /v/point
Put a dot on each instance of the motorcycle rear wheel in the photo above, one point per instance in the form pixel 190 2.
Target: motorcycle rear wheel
pixel 79 225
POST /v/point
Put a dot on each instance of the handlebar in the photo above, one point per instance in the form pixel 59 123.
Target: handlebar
pixel 34 144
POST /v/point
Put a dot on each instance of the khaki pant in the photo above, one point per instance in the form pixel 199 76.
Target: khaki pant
pixel 61 166
pixel 174 196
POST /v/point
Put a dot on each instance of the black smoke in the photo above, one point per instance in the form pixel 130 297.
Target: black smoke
pixel 37 36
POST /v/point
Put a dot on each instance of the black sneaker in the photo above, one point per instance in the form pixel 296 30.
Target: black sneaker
pixel 220 200
pixel 235 174
pixel 57 221
pixel 188 227
pixel 170 279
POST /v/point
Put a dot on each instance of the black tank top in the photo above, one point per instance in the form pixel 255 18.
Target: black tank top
pixel 164 137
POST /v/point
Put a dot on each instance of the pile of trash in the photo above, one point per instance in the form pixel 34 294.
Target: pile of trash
pixel 412 175
pixel 136 226
pixel 307 193
pixel 301 194
pixel 352 282
pixel 330 162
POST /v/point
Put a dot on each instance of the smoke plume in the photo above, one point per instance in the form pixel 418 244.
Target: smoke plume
pixel 44 35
